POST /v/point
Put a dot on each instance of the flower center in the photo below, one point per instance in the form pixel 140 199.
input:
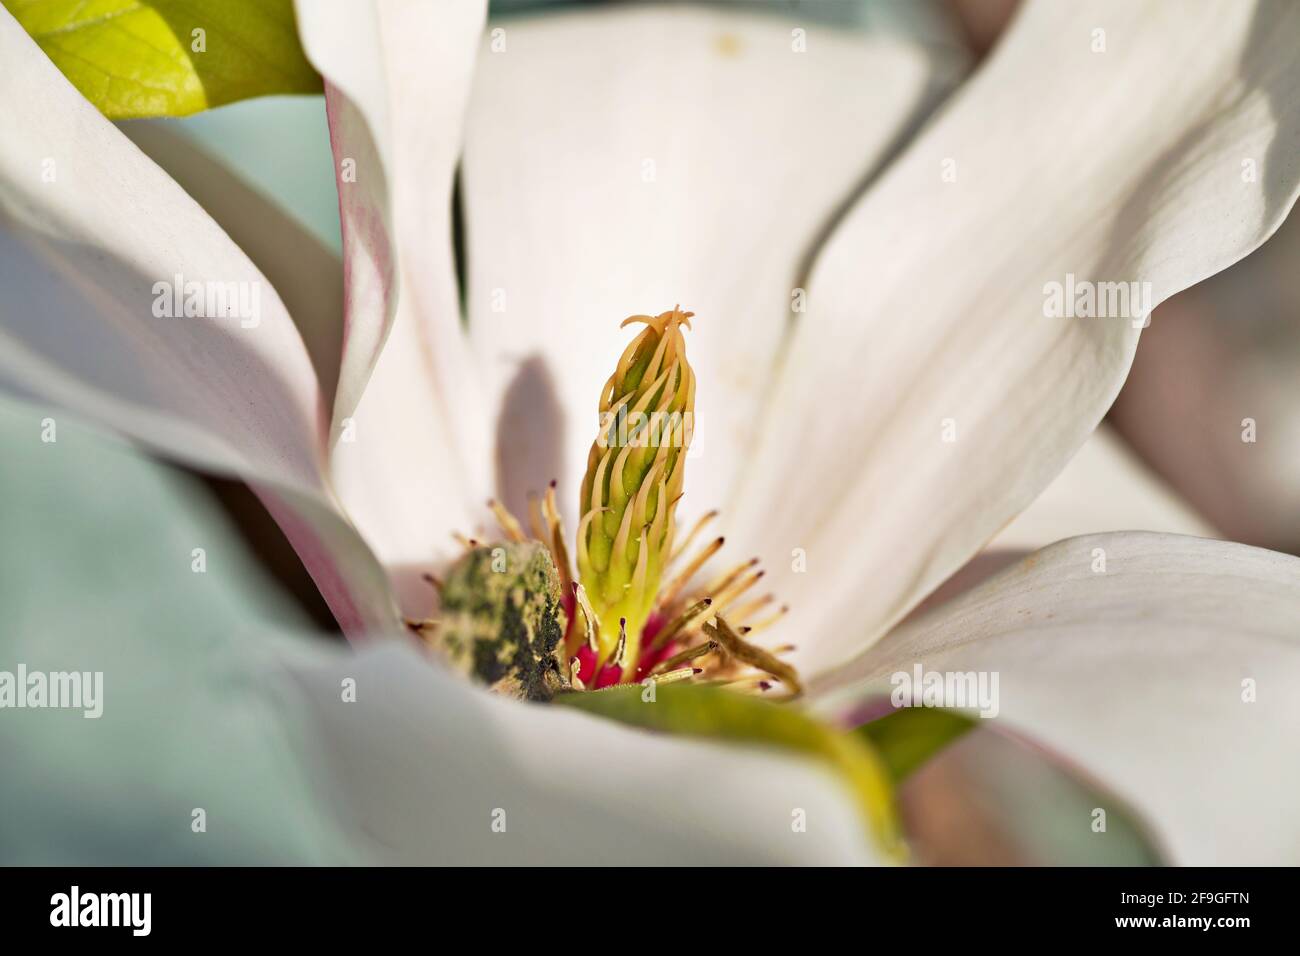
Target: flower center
pixel 640 607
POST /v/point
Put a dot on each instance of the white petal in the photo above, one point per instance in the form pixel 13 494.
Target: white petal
pixel 1138 677
pixel 1103 488
pixel 410 446
pixel 306 274
pixel 94 238
pixel 927 306
pixel 624 160
pixel 423 765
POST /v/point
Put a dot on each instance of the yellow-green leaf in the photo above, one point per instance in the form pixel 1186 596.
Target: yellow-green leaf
pixel 135 58
pixel 703 711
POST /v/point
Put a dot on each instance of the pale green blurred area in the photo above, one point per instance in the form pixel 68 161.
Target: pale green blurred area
pixel 96 575
pixel 281 146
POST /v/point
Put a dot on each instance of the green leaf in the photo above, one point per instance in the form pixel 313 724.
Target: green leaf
pixel 910 736
pixel 135 58
pixel 703 711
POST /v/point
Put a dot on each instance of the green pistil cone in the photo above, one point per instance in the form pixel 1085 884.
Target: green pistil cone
pixel 634 478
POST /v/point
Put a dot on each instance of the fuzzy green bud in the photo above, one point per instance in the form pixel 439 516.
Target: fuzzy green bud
pixel 502 621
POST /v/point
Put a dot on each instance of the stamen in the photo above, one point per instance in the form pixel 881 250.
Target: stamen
pixel 672 677
pixel 746 610
pixel 559 550
pixel 725 600
pixel 719 585
pixel 678 623
pixel 588 615
pixel 669 593
pixel 748 683
pixel 620 649
pixel 695 533
pixel 685 657
pixel 771 619
pixel 535 526
pixel 508 522
pixel 753 655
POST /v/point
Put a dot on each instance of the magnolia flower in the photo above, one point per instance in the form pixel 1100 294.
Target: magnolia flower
pixel 879 392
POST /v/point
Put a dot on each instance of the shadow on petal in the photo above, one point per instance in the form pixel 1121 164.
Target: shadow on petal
pixel 529 436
